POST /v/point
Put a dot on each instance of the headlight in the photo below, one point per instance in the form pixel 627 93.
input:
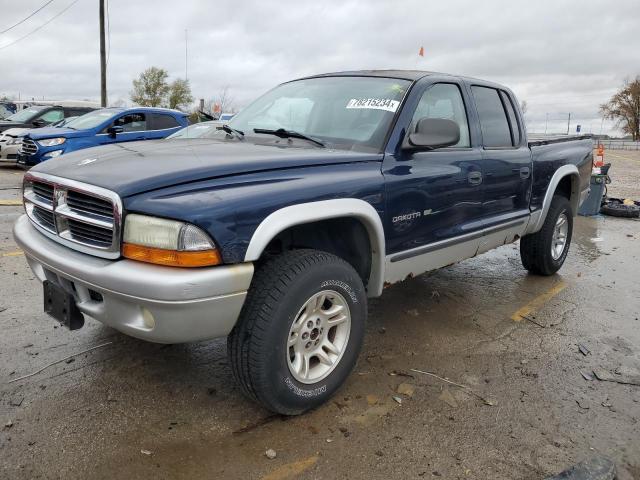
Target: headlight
pixel 167 242
pixel 52 142
pixel 14 141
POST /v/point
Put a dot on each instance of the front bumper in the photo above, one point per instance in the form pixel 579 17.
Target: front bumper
pixel 151 302
pixel 9 153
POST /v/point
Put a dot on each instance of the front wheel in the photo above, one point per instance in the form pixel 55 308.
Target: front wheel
pixel 300 331
pixel 545 251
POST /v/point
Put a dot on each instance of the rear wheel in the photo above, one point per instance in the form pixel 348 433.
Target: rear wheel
pixel 545 251
pixel 300 331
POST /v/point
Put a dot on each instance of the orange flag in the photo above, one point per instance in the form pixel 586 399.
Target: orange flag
pixel 421 52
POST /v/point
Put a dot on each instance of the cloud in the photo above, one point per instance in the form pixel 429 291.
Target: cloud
pixel 559 56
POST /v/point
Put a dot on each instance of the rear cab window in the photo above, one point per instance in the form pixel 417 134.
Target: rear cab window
pixel 513 118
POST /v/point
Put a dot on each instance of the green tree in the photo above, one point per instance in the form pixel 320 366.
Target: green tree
pixel 151 88
pixel 180 94
pixel 624 108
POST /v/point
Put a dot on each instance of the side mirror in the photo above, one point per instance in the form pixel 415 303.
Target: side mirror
pixel 113 131
pixel 38 123
pixel 434 133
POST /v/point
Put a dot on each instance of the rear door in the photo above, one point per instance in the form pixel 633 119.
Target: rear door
pixel 506 157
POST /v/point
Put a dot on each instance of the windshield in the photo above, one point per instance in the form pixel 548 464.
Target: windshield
pixel 197 130
pixel 25 115
pixel 350 113
pixel 92 119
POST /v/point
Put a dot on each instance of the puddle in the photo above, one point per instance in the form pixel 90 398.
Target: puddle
pixel 586 238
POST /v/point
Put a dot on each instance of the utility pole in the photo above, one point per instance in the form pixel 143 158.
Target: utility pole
pixel 103 60
pixel 568 123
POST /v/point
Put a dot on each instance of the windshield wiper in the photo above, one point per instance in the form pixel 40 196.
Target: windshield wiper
pixel 282 133
pixel 231 131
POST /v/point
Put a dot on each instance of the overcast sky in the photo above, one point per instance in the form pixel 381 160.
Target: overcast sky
pixel 559 56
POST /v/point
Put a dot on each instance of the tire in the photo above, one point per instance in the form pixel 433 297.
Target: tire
pixel 284 290
pixel 619 210
pixel 536 249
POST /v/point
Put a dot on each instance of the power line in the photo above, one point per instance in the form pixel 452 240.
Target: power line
pixel 41 26
pixel 26 18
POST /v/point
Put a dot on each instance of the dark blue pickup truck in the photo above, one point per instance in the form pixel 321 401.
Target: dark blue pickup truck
pixel 275 230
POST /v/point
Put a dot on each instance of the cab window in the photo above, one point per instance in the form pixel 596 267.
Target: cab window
pixel 163 122
pixel 52 116
pixel 493 118
pixel 132 122
pixel 444 100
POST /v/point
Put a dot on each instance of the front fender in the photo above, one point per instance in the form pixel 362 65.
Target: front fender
pixel 290 216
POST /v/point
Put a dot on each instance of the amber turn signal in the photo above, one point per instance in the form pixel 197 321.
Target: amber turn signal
pixel 172 258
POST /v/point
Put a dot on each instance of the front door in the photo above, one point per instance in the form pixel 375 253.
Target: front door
pixel 434 198
pixel 134 127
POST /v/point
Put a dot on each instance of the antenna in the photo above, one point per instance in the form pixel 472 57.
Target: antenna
pixel 186 43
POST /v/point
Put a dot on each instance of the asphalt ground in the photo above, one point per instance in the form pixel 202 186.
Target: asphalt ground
pixel 529 407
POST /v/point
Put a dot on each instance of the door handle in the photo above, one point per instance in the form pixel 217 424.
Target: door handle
pixel 525 172
pixel 475 178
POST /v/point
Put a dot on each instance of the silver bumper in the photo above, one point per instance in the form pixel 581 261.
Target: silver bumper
pixel 155 303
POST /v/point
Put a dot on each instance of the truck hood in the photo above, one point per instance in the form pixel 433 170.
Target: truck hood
pixel 136 167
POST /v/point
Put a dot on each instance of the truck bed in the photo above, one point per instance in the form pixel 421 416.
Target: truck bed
pixel 543 139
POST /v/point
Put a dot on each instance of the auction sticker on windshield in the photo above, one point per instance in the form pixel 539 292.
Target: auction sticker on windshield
pixel 375 103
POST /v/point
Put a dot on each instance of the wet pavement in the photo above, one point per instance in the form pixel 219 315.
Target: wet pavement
pixel 131 409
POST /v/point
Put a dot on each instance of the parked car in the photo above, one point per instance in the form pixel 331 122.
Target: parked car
pixel 7 109
pixel 37 116
pixel 313 198
pixel 101 127
pixel 197 130
pixel 11 141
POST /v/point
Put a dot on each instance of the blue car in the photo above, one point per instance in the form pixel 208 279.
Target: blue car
pixel 100 127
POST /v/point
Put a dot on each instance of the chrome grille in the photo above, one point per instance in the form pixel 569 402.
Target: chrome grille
pixel 80 216
pixel 81 203
pixel 91 234
pixel 28 147
pixel 44 191
pixel 45 218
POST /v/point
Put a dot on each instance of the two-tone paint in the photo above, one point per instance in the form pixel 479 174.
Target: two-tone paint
pixel 421 210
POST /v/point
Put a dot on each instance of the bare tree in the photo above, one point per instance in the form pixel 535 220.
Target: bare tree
pixel 624 108
pixel 221 103
pixel 150 89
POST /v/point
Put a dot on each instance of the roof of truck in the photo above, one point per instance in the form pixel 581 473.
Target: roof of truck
pixel 411 75
pixel 401 74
